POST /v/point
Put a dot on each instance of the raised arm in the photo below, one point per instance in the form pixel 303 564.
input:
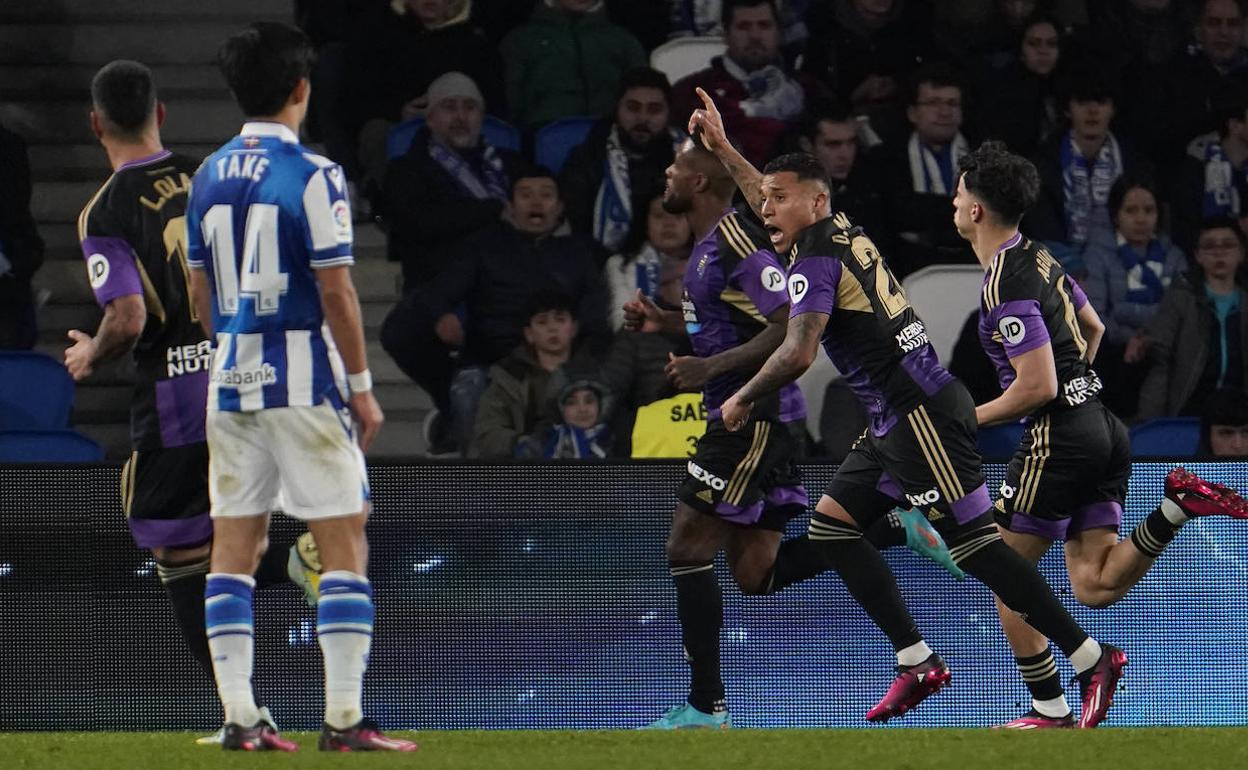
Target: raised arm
pixel 708 124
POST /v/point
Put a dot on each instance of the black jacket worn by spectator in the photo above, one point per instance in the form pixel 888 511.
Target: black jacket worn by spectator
pixel 429 213
pixel 20 244
pixel 496 273
pixel 585 169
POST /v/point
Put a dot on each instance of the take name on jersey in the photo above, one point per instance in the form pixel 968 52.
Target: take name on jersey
pixel 266 213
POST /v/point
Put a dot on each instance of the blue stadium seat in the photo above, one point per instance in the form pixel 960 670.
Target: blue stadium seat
pixel 48 446
pixel 555 141
pixel 35 392
pixel 1166 437
pixel 999 442
pixel 497 132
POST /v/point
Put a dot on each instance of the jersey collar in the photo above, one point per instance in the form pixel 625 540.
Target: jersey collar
pixel 266 128
pixel 145 160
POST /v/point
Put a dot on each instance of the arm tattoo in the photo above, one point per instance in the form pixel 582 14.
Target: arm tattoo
pixel 790 360
pixel 748 179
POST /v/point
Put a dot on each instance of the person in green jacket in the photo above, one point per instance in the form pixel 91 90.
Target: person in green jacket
pixel 567 60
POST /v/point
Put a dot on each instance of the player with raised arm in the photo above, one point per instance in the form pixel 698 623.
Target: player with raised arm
pixel 133 237
pixel 269 232
pixel 1068 479
pixel 920 444
pixel 742 486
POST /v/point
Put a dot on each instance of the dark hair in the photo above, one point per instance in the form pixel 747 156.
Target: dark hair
pixel 804 165
pixel 1087 82
pixel 1229 104
pixel 124 94
pixel 1007 183
pixel 824 109
pixel 1221 223
pixel 1128 181
pixel 935 74
pixel 263 63
pixel 545 300
pixel 729 9
pixel 644 77
pixel 533 171
pixel 1226 406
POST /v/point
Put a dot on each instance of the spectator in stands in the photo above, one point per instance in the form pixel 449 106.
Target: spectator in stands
pixel 916 177
pixel 521 404
pixel 1129 269
pixel 1212 180
pixel 705 18
pixel 985 36
pixel 663 238
pixel 830 133
pixel 568 60
pixel 450 183
pixel 395 66
pixel 582 432
pixel 1198 339
pixel 634 370
pixel 1077 169
pixel 757 96
pixel 21 248
pixel 492 275
pixel 619 167
pixel 865 51
pixel 1021 107
pixel 1224 425
pixel 1216 61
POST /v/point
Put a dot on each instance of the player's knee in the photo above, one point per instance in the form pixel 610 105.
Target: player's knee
pixel 1097 597
pixel 684 552
pixel 176 557
pixel 753 581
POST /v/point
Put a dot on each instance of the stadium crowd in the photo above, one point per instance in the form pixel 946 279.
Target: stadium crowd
pixel 1135 112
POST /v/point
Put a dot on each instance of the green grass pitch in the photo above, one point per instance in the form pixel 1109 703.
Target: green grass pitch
pixel 1110 748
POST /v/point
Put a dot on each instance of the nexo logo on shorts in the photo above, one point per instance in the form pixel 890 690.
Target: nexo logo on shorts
pixel 1012 329
pixel 927 498
pixel 706 477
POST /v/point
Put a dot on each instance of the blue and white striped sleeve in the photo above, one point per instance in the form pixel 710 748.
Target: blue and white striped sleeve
pixel 328 217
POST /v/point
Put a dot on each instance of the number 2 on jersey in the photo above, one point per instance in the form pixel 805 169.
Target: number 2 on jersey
pixel 259 275
pixel 887 289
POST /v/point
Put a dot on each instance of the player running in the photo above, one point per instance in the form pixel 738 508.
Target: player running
pixel 133 237
pixel 742 487
pixel 920 445
pixel 1068 479
pixel 269 231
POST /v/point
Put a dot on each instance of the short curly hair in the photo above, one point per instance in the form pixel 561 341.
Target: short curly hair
pixel 1006 183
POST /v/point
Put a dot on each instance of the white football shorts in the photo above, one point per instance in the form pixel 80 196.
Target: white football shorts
pixel 302 460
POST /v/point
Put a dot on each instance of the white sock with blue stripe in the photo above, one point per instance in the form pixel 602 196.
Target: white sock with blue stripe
pixel 228 623
pixel 345 630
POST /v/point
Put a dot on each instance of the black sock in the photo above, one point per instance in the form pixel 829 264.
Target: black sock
pixel 1020 586
pixel 867 576
pixel 700 606
pixel 797 559
pixel 272 569
pixel 886 532
pixel 1039 672
pixel 1152 535
pixel 184 584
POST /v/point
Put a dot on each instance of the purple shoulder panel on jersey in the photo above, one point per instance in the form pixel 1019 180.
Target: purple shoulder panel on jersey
pixel 1020 324
pixel 110 268
pixel 763 281
pixel 1077 293
pixel 813 284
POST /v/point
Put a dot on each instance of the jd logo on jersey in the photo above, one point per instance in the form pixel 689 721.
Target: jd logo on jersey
pixel 97 270
pixel 1012 329
pixel 773 279
pixel 797 287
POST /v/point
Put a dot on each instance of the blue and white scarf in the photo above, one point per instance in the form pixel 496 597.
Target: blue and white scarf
pixel 613 208
pixel 1222 183
pixel 568 442
pixel 932 173
pixel 494 185
pixel 1145 281
pixel 1085 186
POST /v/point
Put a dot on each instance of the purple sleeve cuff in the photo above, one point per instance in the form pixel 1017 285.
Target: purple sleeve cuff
pixel 763 281
pixel 1077 293
pixel 1020 326
pixel 813 284
pixel 110 268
